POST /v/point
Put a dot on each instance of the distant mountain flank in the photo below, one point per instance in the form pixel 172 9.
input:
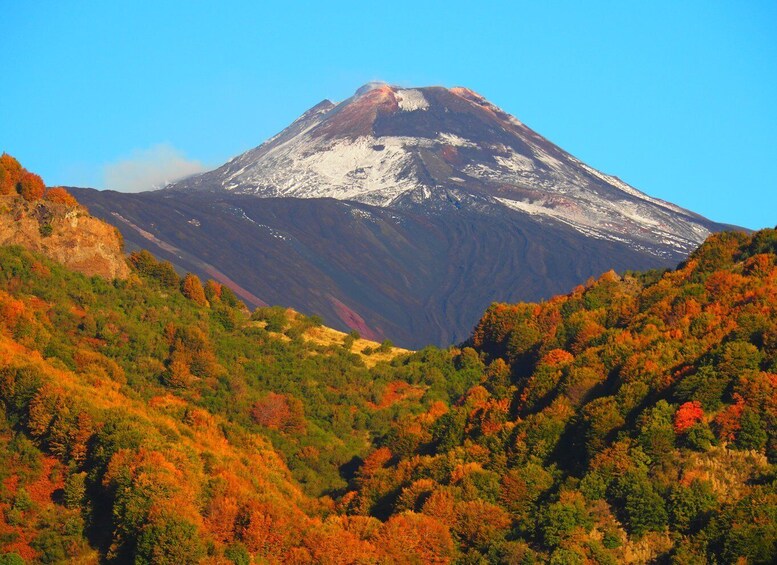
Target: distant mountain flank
pixel 403 213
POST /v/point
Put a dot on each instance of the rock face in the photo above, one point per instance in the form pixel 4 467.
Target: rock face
pixel 66 234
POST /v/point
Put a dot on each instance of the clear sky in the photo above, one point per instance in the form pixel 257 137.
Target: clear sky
pixel 677 98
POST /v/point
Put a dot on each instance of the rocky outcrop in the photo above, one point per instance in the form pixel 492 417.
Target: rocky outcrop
pixel 67 234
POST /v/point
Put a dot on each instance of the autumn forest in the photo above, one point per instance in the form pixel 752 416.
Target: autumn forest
pixel 153 418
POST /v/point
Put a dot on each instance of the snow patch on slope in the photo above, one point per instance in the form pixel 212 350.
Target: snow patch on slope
pixel 373 170
pixel 528 207
pixel 411 100
pixel 628 189
pixel 622 221
pixel 515 163
pixel 455 140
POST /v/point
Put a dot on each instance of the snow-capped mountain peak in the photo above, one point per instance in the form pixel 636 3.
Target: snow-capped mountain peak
pixel 440 149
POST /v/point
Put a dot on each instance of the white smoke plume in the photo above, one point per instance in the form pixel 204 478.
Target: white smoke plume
pixel 149 169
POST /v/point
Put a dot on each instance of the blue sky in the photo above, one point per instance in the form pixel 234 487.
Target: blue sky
pixel 677 98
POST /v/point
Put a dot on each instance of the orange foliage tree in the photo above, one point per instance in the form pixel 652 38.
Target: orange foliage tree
pixel 31 186
pixel 416 538
pixel 340 540
pixel 10 173
pixel 264 529
pixel 59 195
pixel 479 523
pixel 279 412
pixel 213 291
pixel 6 181
pixel 222 514
pixel 687 415
pixel 191 287
pixel 729 421
pixel 179 373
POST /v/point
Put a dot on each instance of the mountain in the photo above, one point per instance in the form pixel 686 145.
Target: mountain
pixel 440 148
pixel 157 420
pixel 403 213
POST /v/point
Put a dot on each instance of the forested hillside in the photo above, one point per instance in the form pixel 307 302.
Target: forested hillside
pixel 155 419
pixel 632 420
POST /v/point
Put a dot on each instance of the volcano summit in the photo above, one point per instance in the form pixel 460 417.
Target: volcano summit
pixel 437 147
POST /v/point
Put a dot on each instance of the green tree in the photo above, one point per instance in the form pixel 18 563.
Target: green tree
pixel 559 519
pixel 645 509
pixel 689 505
pixel 169 541
pixel 75 490
pixel 752 433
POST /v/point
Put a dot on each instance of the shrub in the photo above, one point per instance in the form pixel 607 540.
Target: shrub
pixel 162 271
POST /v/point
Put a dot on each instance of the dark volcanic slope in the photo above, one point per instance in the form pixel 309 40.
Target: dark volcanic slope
pixel 416 278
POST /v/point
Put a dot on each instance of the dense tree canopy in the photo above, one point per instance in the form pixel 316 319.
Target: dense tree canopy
pixel 627 421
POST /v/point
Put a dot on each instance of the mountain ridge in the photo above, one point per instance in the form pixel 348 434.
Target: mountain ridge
pixel 52 222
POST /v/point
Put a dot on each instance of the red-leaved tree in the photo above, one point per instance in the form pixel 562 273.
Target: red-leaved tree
pixel 687 416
